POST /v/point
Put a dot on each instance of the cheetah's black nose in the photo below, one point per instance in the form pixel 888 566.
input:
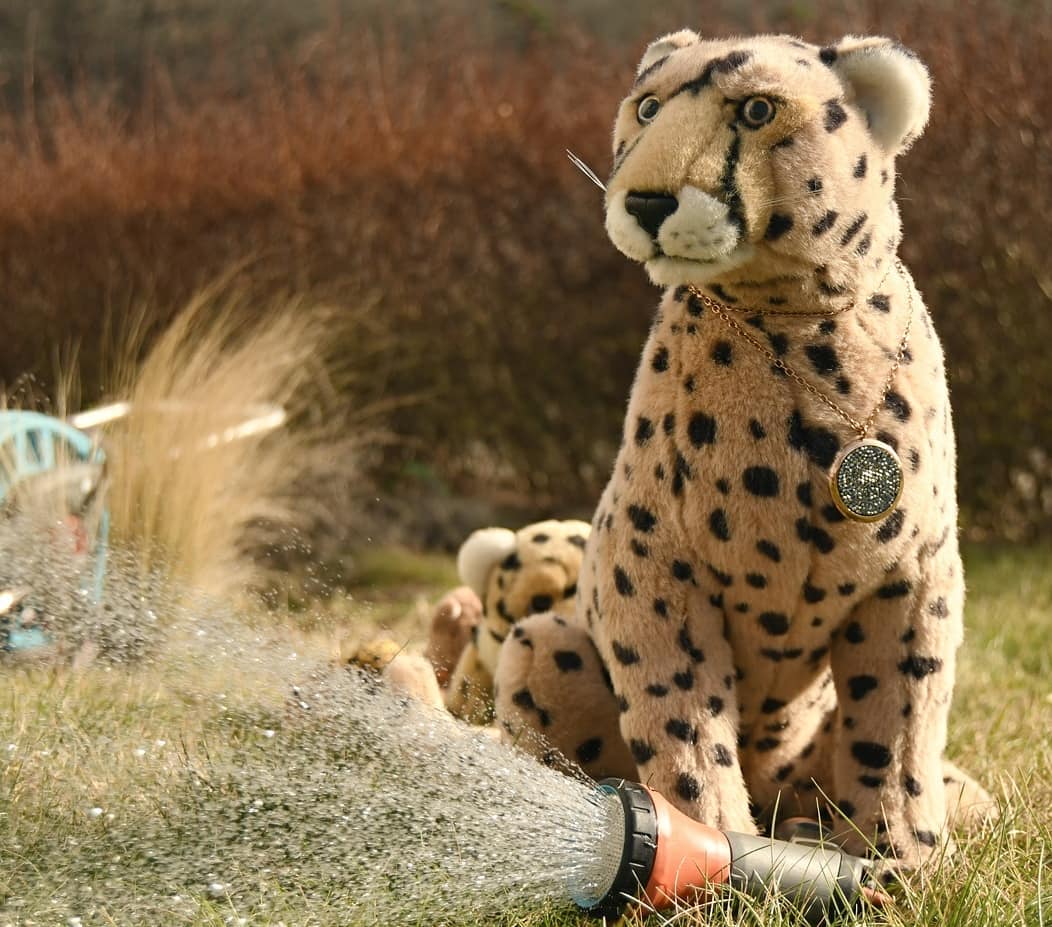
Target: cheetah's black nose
pixel 650 209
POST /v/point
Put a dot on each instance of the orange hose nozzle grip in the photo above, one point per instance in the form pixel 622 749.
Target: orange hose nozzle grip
pixel 669 858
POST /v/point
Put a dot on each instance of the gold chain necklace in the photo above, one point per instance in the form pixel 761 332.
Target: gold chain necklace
pixel 866 479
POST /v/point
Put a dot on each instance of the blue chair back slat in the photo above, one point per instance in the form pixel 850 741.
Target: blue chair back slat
pixel 29 445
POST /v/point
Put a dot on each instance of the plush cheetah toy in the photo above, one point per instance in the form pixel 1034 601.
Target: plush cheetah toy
pixel 764 651
pixel 514 574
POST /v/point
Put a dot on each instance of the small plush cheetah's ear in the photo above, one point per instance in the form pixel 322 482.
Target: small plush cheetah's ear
pixel 665 46
pixel 890 85
pixel 480 553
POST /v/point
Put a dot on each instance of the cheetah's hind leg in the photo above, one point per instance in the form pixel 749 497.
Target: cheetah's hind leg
pixel 553 699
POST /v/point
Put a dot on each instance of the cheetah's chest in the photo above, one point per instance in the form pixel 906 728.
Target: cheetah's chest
pixel 736 456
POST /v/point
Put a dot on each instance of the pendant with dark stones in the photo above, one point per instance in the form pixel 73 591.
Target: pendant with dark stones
pixel 866 480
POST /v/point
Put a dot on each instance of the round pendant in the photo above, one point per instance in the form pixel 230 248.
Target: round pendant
pixel 866 480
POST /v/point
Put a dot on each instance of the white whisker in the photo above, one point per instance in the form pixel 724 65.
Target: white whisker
pixel 586 170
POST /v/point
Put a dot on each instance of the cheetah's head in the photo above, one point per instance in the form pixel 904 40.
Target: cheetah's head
pixel 763 162
pixel 520 573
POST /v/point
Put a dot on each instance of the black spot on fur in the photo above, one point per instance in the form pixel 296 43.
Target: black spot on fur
pixel 860 166
pixel 625 655
pixel 871 782
pixel 681 730
pixel 779 343
pixel 813 594
pixel 774 623
pixel 623 583
pixel 644 430
pixel 832 514
pixel 870 754
pixel 577 540
pixel 760 481
pixel 820 445
pixel 687 787
pixel 827 327
pixel 853 229
pixel 642 752
pixel 803 494
pixel 814 185
pixel 722 353
pixel 684 680
pixel 540 603
pixel 682 571
pixel 770 550
pixel 926 837
pixel 846 588
pixel 589 750
pixel 642 519
pixel 757 430
pixel 742 607
pixel 668 423
pixel 657 690
pixel 687 646
pixel 715 705
pixel 853 633
pixel 864 244
pixel 824 224
pixel 778 225
pixel 895 590
pixel 756 580
pixel 722 755
pixel 661 607
pixel 836 115
pixel 880 301
pixel 771 705
pixel 861 686
pixel 511 562
pixel 702 429
pixel 724 579
pixel 939 608
pixel 918 667
pixel 723 485
pixel 897 405
pixel 659 362
pixel 812 534
pixel 718 525
pixel 568 660
pixel 524 699
pixel 891 526
pixel 912 786
pixel 823 358
pixel 638 548
pixel 767 744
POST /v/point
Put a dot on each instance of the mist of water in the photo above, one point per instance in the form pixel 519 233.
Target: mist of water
pixel 310 794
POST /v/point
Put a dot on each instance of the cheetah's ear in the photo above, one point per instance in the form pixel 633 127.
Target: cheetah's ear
pixel 890 85
pixel 665 46
pixel 480 553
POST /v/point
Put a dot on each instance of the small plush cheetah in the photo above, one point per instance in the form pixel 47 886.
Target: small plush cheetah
pixel 514 574
pixel 764 651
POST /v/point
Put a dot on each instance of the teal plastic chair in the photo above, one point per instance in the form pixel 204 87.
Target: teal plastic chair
pixel 33 444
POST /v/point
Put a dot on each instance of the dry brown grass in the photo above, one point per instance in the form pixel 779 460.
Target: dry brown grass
pixel 187 479
pixel 427 195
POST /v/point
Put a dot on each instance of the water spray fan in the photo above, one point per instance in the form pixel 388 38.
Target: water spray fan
pixel 658 857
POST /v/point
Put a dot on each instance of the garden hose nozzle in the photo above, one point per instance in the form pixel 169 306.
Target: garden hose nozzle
pixel 666 857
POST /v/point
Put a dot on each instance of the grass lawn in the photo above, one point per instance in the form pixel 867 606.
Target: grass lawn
pixel 72 746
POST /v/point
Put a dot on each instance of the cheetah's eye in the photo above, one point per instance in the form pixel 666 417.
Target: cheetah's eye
pixel 648 109
pixel 757 111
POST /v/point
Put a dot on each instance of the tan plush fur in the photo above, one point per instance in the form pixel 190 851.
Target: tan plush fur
pixel 762 649
pixel 515 574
